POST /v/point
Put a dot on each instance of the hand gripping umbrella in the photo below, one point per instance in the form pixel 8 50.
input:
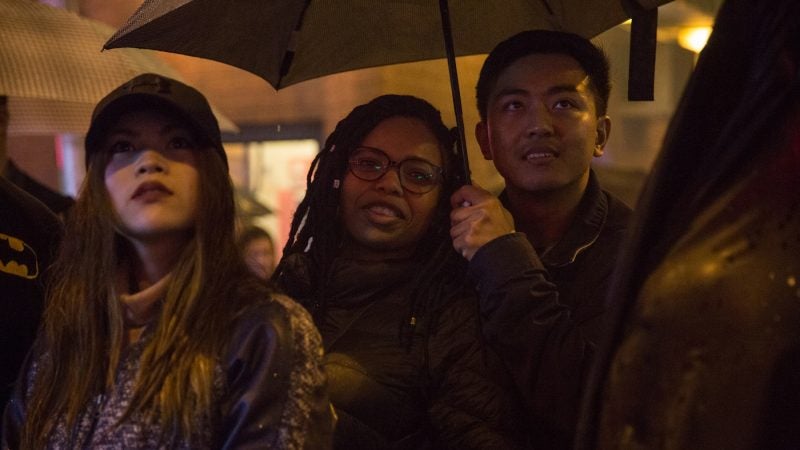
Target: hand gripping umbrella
pixel 289 41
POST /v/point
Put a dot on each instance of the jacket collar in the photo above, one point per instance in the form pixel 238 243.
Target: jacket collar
pixel 584 229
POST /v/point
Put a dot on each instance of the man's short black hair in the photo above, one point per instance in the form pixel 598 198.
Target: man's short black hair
pixel 591 58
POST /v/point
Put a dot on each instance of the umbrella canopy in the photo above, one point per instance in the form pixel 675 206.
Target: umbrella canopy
pixel 286 42
pixel 53 71
pixel 289 41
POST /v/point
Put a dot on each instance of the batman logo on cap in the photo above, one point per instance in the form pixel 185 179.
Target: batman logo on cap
pixel 18 258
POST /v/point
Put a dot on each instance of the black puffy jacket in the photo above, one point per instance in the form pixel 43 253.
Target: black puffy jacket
pixel 435 392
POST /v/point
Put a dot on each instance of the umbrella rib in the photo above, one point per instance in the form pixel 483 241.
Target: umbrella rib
pixel 288 56
pixel 547 7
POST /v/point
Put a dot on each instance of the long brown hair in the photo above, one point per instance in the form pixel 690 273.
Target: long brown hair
pixel 81 340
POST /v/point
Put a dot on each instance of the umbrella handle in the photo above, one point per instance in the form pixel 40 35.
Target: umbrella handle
pixel 461 142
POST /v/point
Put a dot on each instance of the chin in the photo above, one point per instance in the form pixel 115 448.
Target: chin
pixel 541 183
pixel 157 231
pixel 384 247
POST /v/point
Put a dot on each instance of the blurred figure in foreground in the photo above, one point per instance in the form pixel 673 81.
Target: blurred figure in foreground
pixel 258 251
pixel 706 348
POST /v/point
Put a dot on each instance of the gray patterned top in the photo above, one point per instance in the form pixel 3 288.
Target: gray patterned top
pixel 269 393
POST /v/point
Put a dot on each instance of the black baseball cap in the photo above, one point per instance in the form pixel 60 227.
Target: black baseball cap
pixel 162 94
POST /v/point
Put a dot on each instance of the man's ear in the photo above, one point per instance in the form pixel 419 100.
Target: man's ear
pixel 602 132
pixel 482 136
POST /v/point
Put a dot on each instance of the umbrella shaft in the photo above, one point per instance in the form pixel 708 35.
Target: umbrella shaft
pixel 461 143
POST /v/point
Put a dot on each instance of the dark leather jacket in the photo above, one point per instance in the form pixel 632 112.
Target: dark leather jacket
pixel 544 315
pixel 435 391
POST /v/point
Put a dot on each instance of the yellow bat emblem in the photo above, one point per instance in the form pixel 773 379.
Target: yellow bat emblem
pixel 18 258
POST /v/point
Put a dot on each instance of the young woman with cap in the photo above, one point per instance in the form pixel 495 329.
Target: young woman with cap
pixel 370 255
pixel 155 334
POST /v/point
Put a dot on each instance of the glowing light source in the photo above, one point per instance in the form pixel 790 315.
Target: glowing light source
pixel 694 38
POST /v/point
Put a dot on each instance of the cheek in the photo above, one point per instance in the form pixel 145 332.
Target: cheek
pixel 584 133
pixel 501 140
pixel 114 185
pixel 350 190
pixel 425 209
pixel 193 193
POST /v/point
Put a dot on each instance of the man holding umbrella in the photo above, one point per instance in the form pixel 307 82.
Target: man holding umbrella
pixel 542 99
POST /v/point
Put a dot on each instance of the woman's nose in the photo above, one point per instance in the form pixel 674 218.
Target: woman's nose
pixel 150 161
pixel 390 181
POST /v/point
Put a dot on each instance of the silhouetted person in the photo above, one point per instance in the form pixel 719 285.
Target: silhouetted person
pixel 705 351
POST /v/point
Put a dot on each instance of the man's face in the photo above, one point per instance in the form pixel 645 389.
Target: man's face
pixel 541 128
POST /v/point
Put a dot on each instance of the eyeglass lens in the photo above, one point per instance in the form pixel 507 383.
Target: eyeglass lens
pixel 416 175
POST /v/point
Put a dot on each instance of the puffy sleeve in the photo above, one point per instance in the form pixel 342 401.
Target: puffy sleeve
pixel 276 394
pixel 547 351
pixel 472 403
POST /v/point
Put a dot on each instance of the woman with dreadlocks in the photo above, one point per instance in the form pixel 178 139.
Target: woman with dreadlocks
pixel 155 333
pixel 369 254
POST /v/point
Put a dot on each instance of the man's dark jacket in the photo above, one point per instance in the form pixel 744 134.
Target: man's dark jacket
pixel 543 314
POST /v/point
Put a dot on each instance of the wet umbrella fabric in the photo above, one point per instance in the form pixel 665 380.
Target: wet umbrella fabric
pixel 53 71
pixel 286 42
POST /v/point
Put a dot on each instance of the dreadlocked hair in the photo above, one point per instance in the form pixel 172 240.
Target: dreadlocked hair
pixel 315 234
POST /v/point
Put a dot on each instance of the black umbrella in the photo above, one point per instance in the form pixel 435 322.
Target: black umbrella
pixel 290 41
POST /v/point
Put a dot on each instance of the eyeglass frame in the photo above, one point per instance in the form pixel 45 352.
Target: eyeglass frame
pixel 438 171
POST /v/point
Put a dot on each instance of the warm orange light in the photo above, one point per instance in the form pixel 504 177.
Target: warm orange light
pixel 694 38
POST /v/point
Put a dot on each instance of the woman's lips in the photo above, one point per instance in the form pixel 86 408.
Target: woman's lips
pixel 150 190
pixel 384 211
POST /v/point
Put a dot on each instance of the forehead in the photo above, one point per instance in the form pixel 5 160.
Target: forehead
pixel 541 72
pixel 405 137
pixel 147 118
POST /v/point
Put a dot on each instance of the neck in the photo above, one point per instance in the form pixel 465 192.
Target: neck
pixel 356 251
pixel 155 259
pixel 545 216
pixel 140 308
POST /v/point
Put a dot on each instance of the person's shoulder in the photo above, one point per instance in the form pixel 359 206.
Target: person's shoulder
pixel 619 213
pixel 273 370
pixel 273 318
pixel 14 200
pixel 268 307
pixel 53 200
